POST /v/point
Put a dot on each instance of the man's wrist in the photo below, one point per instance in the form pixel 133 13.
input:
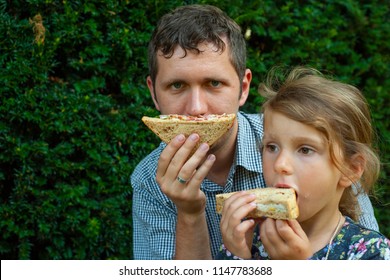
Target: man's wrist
pixel 191 218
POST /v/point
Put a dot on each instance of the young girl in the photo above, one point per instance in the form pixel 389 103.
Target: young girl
pixel 318 141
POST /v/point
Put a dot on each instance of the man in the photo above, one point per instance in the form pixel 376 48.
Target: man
pixel 197 64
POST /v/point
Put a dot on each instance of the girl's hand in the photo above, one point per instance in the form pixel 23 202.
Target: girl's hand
pixel 285 240
pixel 237 233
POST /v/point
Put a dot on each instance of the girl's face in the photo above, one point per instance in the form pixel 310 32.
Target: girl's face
pixel 296 155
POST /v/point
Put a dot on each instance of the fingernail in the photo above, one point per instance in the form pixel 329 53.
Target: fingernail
pixel 194 137
pixel 211 157
pixel 204 147
pixel 180 137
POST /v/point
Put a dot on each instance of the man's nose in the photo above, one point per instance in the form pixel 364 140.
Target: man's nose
pixel 197 103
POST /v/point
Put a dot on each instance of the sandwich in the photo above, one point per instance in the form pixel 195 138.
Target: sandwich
pixel 275 203
pixel 209 127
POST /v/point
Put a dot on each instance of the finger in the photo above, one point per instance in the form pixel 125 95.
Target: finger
pixel 193 164
pixel 268 232
pixel 240 231
pixel 270 238
pixel 201 172
pixel 296 243
pixel 192 187
pixel 236 208
pixel 167 155
pixel 292 233
pixel 234 202
pixel 285 232
pixel 236 240
pixel 234 219
pixel 245 226
pixel 180 157
pixel 294 229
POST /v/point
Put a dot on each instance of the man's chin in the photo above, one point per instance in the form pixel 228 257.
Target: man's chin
pixel 221 142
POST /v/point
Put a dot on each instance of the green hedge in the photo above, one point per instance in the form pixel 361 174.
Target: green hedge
pixel 72 87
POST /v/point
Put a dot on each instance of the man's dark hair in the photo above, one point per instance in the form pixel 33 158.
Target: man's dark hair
pixel 188 26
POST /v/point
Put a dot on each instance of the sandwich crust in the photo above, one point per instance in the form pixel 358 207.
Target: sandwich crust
pixel 209 128
pixel 276 203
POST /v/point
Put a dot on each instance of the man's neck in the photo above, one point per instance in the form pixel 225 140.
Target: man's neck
pixel 219 173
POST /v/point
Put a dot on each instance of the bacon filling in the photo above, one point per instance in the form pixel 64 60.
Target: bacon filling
pixel 192 118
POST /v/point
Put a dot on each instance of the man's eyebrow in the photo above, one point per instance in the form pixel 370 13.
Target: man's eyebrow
pixel 172 81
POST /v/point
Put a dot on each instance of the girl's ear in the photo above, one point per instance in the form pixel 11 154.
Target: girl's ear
pixel 356 167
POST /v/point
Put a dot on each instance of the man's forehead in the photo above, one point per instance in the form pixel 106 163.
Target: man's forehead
pixel 201 48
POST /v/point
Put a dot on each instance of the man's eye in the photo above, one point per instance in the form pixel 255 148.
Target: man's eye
pixel 177 85
pixel 215 83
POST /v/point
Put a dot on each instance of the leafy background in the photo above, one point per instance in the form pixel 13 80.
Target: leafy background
pixel 73 91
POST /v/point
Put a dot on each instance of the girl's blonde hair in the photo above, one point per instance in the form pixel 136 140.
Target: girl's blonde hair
pixel 339 111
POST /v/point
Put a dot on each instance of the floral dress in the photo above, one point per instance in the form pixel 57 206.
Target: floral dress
pixel 353 242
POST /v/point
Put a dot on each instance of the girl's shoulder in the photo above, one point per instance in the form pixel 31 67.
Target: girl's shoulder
pixel 362 243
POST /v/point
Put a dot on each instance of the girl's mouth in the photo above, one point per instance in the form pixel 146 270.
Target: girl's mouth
pixel 286 186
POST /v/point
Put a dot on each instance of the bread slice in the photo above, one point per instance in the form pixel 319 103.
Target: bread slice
pixel 209 128
pixel 275 203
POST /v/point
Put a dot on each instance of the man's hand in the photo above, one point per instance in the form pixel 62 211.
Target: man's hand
pixel 180 177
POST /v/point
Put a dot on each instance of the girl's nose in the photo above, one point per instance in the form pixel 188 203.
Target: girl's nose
pixel 283 164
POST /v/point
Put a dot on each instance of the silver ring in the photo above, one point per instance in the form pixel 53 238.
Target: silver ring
pixel 181 180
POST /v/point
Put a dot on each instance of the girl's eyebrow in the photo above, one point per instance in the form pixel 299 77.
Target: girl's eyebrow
pixel 295 139
pixel 314 140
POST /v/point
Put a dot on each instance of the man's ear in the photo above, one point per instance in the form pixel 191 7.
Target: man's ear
pixel 356 169
pixel 246 83
pixel 149 82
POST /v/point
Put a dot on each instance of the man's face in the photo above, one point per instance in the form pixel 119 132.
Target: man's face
pixel 197 84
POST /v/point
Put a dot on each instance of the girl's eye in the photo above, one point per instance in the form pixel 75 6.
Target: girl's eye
pixel 271 148
pixel 306 150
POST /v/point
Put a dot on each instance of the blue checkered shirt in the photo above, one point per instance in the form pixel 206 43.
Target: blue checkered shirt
pixel 154 215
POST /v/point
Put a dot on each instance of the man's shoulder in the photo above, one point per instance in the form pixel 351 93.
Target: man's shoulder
pixel 145 188
pixel 146 168
pixel 251 122
pixel 251 117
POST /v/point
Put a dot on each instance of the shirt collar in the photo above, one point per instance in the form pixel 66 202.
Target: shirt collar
pixel 250 132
